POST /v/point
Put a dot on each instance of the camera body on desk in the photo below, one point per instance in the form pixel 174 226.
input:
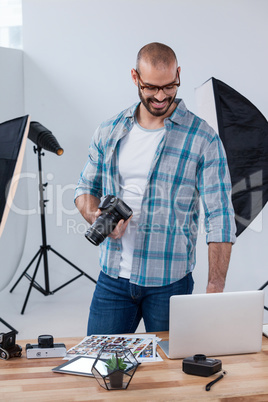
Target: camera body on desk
pixel 45 348
pixel 8 346
pixel 201 365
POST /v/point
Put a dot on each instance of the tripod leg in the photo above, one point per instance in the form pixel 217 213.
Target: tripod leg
pixel 32 281
pixel 26 269
pixel 264 285
pixel 74 266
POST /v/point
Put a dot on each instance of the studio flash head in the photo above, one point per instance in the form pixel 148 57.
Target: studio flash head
pixel 44 138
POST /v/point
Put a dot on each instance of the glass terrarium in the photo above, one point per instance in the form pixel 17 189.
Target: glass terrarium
pixel 114 367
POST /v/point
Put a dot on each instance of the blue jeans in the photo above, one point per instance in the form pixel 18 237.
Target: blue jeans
pixel 118 305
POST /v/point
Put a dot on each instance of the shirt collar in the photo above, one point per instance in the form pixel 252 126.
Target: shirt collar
pixel 179 112
pixel 130 112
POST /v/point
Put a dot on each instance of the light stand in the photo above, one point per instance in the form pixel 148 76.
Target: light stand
pixel 44 248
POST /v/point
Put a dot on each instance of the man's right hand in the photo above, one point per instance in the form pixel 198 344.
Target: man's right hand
pixel 87 205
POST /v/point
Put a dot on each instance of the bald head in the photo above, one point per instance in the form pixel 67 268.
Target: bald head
pixel 157 54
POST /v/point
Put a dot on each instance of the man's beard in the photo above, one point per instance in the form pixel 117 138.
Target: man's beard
pixel 147 103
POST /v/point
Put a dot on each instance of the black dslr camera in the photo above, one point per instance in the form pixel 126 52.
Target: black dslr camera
pixel 8 347
pixel 200 365
pixel 113 210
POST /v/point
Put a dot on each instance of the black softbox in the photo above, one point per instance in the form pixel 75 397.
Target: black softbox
pixel 13 135
pixel 244 133
pixel 13 195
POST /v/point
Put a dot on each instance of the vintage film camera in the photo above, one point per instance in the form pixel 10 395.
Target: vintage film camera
pixel 8 346
pixel 45 348
pixel 201 365
pixel 113 210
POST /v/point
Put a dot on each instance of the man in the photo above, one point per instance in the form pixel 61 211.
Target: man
pixel 159 158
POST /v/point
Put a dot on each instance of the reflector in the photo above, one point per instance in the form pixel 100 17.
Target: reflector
pixel 244 133
pixel 13 136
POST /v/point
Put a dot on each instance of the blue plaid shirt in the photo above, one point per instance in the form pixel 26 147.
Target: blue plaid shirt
pixel 189 163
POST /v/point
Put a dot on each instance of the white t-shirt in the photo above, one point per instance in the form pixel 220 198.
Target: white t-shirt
pixel 137 150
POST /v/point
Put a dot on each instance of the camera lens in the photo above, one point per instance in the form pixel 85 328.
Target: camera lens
pixel 94 236
pixel 101 228
pixel 45 341
pixel 199 357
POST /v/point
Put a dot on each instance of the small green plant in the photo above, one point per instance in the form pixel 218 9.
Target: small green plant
pixel 113 363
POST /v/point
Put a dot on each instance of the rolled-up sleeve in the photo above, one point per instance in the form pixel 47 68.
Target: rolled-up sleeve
pixel 215 188
pixel 90 181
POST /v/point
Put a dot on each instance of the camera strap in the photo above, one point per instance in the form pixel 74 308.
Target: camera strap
pixel 209 385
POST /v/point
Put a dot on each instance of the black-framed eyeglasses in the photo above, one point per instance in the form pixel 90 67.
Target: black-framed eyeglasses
pixel 151 90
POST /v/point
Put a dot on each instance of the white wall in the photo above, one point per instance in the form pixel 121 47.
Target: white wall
pixel 11 84
pixel 77 62
pixel 12 106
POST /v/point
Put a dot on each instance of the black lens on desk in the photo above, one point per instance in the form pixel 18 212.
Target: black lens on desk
pixel 45 341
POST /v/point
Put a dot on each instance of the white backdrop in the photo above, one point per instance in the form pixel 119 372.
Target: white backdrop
pixel 11 106
pixel 11 84
pixel 77 60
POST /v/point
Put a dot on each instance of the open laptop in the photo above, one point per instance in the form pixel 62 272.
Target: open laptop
pixel 215 324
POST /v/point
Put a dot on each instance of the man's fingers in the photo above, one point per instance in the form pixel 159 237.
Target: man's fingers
pixel 97 213
pixel 117 232
pixel 120 229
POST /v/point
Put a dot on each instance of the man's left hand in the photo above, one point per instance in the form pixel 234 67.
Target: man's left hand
pixel 219 257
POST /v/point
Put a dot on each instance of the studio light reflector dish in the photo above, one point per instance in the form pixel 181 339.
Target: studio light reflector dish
pixel 244 133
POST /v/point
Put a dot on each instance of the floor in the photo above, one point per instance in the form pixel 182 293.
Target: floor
pixel 62 314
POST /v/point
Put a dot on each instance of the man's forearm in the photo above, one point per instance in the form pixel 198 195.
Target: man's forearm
pixel 87 205
pixel 218 257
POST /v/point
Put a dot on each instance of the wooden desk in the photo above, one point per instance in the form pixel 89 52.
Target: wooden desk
pixel 26 380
